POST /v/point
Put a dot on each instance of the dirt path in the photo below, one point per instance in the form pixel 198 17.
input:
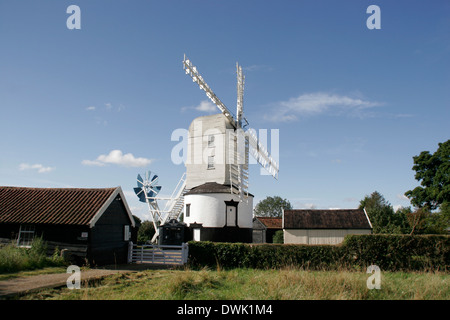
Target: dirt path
pixel 22 285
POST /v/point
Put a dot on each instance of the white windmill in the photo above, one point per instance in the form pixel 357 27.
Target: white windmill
pixel 214 189
pixel 218 206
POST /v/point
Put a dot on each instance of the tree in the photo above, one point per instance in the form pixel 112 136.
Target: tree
pixel 272 207
pixel 418 220
pixel 278 237
pixel 146 231
pixel 381 214
pixel 433 172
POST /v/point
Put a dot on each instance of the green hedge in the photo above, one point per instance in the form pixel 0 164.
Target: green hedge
pixel 389 252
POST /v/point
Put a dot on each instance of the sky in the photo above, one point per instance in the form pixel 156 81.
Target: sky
pixel 93 107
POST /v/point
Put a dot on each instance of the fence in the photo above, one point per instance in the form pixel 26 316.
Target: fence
pixel 158 254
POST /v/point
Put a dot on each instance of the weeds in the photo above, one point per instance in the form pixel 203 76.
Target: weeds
pixel 14 259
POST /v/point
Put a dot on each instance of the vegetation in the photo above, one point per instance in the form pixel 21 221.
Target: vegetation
pixel 278 237
pixel 272 207
pixel 389 252
pixel 250 284
pixel 146 232
pixel 14 259
pixel 433 172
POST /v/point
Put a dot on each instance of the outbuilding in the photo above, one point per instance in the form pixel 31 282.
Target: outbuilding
pixel 93 225
pixel 264 228
pixel 324 226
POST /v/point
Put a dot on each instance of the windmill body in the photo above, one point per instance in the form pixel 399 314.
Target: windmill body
pixel 215 208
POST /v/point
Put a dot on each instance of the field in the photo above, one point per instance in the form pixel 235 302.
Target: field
pixel 252 284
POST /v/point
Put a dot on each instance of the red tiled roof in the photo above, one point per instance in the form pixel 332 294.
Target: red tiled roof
pixel 326 219
pixel 271 223
pixel 51 205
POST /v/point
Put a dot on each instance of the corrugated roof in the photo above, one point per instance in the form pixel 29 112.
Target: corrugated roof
pixel 326 219
pixel 270 222
pixel 71 206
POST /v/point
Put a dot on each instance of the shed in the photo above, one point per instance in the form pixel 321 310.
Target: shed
pixel 324 226
pixel 91 224
pixel 264 229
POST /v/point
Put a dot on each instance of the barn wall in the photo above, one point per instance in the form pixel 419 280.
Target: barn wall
pixel 60 237
pixel 259 232
pixel 319 236
pixel 107 244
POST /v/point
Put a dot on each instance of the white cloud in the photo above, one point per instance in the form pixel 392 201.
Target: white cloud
pixel 317 103
pixel 117 157
pixel 90 108
pixel 257 67
pixel 39 167
pixel 204 106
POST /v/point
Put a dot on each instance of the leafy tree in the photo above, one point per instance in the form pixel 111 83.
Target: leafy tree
pixel 278 237
pixel 381 214
pixel 146 231
pixel 433 172
pixel 401 220
pixel 418 220
pixel 272 207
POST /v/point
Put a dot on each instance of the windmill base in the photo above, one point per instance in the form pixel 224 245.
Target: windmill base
pixel 226 234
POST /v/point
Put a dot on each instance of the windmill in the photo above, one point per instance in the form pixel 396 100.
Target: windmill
pixel 251 144
pixel 218 206
pixel 147 191
pixel 214 195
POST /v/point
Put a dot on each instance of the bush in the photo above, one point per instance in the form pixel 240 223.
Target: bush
pixel 399 252
pixel 14 259
pixel 389 252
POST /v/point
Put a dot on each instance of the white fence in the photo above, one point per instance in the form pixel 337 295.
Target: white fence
pixel 157 254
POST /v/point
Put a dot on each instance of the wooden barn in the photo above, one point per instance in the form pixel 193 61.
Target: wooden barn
pixel 323 226
pixel 93 225
pixel 264 229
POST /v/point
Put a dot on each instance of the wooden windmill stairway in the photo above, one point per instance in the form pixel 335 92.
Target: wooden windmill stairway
pixel 176 204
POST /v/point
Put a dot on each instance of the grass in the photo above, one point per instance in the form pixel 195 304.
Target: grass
pixel 14 259
pixel 250 284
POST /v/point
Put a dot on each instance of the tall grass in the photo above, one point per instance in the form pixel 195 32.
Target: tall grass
pixel 256 284
pixel 14 259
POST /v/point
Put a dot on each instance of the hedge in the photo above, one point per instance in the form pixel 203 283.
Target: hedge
pixel 389 252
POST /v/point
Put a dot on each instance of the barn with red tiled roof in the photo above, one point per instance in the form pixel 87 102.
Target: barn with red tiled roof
pixel 264 229
pixel 91 224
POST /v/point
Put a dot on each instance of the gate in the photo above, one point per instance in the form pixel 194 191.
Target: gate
pixel 158 254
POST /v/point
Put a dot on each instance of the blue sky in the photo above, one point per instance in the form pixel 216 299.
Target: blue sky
pixel 96 106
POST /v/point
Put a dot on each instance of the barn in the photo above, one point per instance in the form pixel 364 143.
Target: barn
pixel 323 226
pixel 93 225
pixel 264 229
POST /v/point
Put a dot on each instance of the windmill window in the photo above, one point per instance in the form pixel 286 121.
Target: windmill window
pixel 211 162
pixel 210 141
pixel 188 210
pixel 26 236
